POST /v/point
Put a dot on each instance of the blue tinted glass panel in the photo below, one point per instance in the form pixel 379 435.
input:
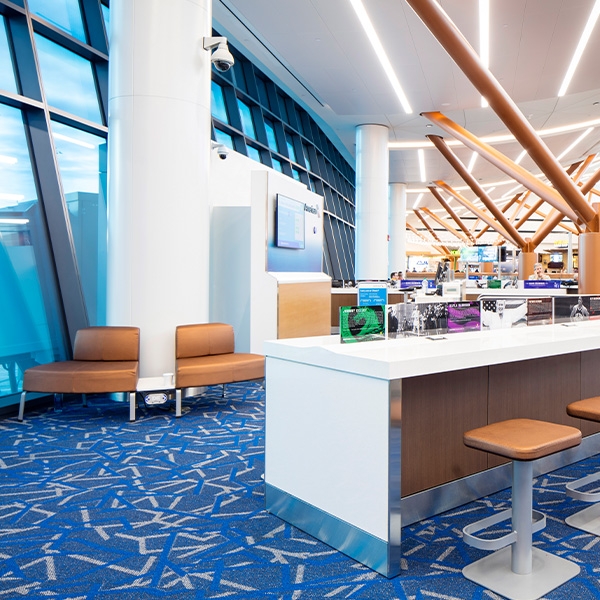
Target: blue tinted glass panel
pixel 277 165
pixel 253 153
pixel 64 14
pixel 68 80
pixel 82 163
pixel 106 15
pixel 247 120
pixel 223 138
pixel 7 74
pixel 290 147
pixel 31 326
pixel 217 105
pixel 296 174
pixel 306 157
pixel 271 137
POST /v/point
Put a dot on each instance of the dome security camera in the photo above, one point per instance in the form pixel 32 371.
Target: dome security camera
pixel 221 58
pixel 221 150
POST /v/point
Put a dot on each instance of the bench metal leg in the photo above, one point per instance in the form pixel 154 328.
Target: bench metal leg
pixel 22 405
pixel 178 402
pixel 132 406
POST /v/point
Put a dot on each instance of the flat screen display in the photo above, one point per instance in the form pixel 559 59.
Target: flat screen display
pixel 289 223
pixel 488 253
pixel 469 254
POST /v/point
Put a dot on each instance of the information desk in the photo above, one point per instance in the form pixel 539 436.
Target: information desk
pixel 348 426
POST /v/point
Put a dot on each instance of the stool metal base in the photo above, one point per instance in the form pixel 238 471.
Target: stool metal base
pixel 587 520
pixel 494 573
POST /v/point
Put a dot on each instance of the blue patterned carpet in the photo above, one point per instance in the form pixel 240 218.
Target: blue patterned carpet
pixel 92 506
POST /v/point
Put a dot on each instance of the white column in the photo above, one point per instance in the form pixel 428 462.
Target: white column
pixel 159 156
pixel 397 247
pixel 372 179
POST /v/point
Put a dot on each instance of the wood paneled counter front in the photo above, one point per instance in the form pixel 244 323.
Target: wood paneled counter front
pixel 363 437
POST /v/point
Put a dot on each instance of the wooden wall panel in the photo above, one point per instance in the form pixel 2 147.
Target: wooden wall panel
pixel 436 411
pixel 534 389
pixel 590 385
pixel 304 309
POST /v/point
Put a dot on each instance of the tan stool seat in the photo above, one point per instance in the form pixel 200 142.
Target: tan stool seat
pixel 523 439
pixel 588 409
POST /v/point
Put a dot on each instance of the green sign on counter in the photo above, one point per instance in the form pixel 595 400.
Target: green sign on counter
pixel 362 323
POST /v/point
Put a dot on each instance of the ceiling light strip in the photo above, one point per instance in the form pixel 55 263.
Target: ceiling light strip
pixel 571 146
pixel 381 54
pixel 585 36
pixel 421 154
pixel 484 38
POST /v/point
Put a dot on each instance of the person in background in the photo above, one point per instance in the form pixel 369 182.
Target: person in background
pixel 538 272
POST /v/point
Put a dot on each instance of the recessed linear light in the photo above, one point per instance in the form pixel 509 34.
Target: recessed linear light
pixel 419 198
pixel 512 190
pixel 472 162
pixel 421 154
pixel 484 39
pixel 520 157
pixel 571 146
pixel 367 25
pixel 497 139
pixel 585 36
pixel 8 160
pixel 14 221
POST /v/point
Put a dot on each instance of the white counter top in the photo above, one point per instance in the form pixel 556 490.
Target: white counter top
pixel 410 357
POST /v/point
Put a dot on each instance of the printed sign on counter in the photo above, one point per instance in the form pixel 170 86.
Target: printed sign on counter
pixel 464 316
pixel 539 311
pixel 372 294
pixel 362 323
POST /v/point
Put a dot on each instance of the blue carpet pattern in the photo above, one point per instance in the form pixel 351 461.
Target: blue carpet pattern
pixel 95 507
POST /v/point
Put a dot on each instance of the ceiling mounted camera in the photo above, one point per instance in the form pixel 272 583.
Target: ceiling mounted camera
pixel 221 58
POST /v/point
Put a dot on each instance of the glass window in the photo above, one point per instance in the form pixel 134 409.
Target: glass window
pixel 223 138
pixel 64 14
pixel 7 73
pixel 271 137
pixel 262 92
pixel 253 153
pixel 82 164
pixel 306 157
pixel 68 80
pixel 283 108
pixel 296 174
pixel 277 165
pixel 290 147
pixel 30 319
pixel 106 15
pixel 217 106
pixel 247 120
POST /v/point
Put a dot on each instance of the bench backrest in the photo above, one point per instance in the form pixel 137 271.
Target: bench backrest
pixel 112 343
pixel 203 340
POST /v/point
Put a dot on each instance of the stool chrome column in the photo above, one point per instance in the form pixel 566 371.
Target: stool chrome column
pixel 517 570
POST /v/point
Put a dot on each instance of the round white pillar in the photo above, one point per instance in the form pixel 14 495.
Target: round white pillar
pixel 372 179
pixel 159 157
pixel 397 246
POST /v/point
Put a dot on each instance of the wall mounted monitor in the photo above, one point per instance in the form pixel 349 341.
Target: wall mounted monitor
pixel 289 223
pixel 469 254
pixel 488 253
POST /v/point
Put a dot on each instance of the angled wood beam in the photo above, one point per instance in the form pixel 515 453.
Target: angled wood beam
pixel 530 210
pixel 427 226
pixel 561 225
pixel 448 35
pixel 454 161
pixel 582 167
pixel 454 216
pixel 441 249
pixel 518 173
pixel 519 206
pixel 478 213
pixel 475 225
pixel 553 218
pixel 458 234
pixel 504 210
pixel 591 182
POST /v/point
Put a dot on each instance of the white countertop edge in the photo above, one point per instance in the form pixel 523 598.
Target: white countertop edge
pixel 411 357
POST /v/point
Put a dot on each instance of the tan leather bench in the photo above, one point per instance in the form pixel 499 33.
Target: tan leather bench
pixel 517 570
pixel 587 519
pixel 105 360
pixel 205 355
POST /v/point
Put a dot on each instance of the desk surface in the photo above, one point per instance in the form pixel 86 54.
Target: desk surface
pixel 410 357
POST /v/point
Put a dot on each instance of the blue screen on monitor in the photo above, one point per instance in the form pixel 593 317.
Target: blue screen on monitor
pixel 488 253
pixel 289 223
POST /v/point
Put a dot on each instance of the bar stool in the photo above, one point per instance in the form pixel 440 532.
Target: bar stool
pixel 517 570
pixel 587 519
